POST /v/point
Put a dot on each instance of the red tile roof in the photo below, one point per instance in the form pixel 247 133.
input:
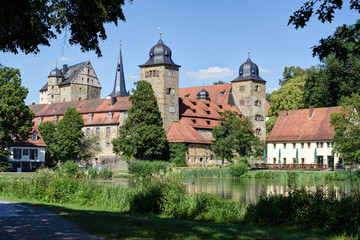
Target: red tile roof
pixel 30 143
pixel 217 93
pixel 84 106
pixel 180 132
pixel 295 125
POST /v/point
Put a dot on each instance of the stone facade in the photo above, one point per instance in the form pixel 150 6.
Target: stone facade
pixel 164 80
pixel 249 98
pixel 199 154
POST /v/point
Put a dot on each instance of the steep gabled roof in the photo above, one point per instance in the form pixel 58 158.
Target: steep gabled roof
pixel 217 93
pixel 30 143
pixel 296 125
pixel 183 133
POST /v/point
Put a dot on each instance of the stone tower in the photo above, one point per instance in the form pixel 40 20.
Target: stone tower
pixel 248 91
pixel 163 74
pixel 54 79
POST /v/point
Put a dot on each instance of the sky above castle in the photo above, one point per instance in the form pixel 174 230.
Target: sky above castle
pixel 209 39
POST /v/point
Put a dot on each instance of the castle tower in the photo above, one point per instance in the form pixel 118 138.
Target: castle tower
pixel 54 79
pixel 119 85
pixel 248 91
pixel 163 74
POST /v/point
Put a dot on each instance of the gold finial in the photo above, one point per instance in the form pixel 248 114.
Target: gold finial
pixel 56 63
pixel 120 43
pixel 248 52
pixel 160 32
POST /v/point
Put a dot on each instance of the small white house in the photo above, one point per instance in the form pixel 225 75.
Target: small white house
pixel 303 136
pixel 28 156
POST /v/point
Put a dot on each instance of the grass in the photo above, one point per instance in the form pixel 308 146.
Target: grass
pixel 126 225
pixel 9 175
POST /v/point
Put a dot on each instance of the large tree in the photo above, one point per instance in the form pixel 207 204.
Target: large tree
pixel 234 135
pixel 68 136
pixel 337 44
pixel 142 136
pixel 15 116
pixel 47 130
pixel 347 129
pixel 27 24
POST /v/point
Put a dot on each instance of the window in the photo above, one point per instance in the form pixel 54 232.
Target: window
pixel 125 115
pixel 52 96
pixel 187 95
pixel 88 71
pixel 88 132
pixel 328 144
pixel 242 88
pixel 79 98
pixel 302 145
pixel 146 74
pixel 274 145
pixel 108 131
pixel 167 91
pixel 97 131
pixel 258 131
pixel 172 91
pixel 207 104
pixel 294 160
pixel 52 87
pixel 90 117
pixel 321 145
pixel 208 122
pixel 171 73
pixel 193 121
pixel 259 117
pixel 257 88
pixel 220 106
pixel 193 110
pixel 156 73
pixel 55 119
pixel 302 160
pixel 317 144
pixel 79 88
pixel 39 120
pixel 110 116
pixel 284 160
pixel 34 136
pixel 17 153
pixel 107 144
pixel 284 145
pixel 33 154
pixel 242 102
pixel 207 112
pixel 87 80
pixel 332 144
pixel 274 160
pixel 221 94
pixel 194 103
pixel 171 109
pixel 309 145
pixel 25 152
pixel 294 145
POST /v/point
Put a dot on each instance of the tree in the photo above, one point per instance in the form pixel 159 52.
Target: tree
pixel 89 147
pixel 15 116
pixel 325 13
pixel 178 152
pixel 234 135
pixel 142 136
pixel 36 22
pixel 68 136
pixel 219 82
pixel 347 129
pixel 289 96
pixel 334 78
pixel 47 130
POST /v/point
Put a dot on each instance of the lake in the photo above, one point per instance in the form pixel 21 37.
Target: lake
pixel 247 190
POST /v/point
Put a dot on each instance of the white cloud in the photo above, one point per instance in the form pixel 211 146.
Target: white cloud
pixel 265 71
pixel 65 59
pixel 212 73
pixel 132 76
pixel 270 90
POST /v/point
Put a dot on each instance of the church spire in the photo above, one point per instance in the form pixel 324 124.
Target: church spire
pixel 119 86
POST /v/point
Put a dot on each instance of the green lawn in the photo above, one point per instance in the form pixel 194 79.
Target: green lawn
pixel 4 175
pixel 125 225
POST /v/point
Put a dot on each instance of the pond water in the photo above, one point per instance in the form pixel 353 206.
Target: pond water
pixel 247 190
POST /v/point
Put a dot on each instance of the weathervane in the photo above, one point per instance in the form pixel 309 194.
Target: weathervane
pixel 160 32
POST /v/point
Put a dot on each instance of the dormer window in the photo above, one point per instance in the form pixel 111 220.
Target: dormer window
pixel 193 121
pixel 110 116
pixel 55 119
pixel 208 122
pixel 222 93
pixel 39 120
pixel 194 103
pixel 34 136
pixel 90 116
pixel 220 106
pixel 187 95
pixel 207 112
pixel 207 104
pixel 193 110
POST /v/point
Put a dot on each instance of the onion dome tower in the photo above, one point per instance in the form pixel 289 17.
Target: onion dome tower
pixel 119 85
pixel 203 94
pixel 248 92
pixel 163 75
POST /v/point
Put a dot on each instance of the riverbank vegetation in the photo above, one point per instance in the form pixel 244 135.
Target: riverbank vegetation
pixel 164 196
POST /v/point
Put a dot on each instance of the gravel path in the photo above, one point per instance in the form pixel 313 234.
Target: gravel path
pixel 24 222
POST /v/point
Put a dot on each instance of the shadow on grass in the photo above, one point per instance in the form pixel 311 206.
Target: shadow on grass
pixel 125 225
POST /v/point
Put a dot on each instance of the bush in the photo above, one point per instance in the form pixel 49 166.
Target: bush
pixel 143 168
pixel 70 168
pixel 238 169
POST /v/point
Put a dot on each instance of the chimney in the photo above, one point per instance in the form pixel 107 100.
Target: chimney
pixel 65 69
pixel 311 111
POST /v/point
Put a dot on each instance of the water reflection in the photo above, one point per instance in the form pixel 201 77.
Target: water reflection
pixel 248 190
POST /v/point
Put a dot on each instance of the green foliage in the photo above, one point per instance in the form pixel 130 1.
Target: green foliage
pixel 142 136
pixel 267 97
pixel 202 173
pixel 290 95
pixel 178 153
pixel 238 169
pixel 347 129
pixel 70 168
pixel 270 124
pixel 89 147
pixel 219 82
pixel 68 136
pixel 328 82
pixel 233 135
pixel 36 23
pixel 15 116
pixel 344 41
pixel 47 131
pixel 141 168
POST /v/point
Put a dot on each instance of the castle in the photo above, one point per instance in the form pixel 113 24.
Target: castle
pixel 188 114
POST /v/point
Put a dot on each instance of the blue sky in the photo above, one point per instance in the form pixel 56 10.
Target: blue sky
pixel 209 39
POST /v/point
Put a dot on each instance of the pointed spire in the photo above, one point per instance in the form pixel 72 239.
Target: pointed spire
pixel 119 86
